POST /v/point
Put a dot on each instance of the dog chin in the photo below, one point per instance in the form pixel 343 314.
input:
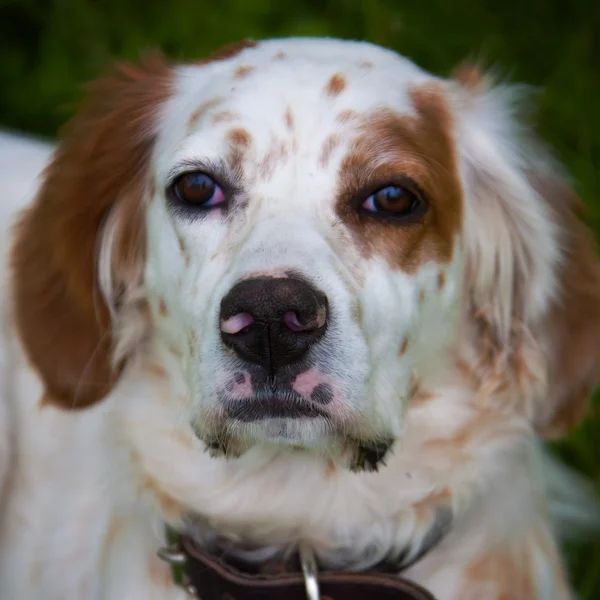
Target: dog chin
pixel 300 435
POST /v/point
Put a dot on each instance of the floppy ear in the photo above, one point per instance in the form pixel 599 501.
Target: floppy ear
pixel 97 172
pixel 533 279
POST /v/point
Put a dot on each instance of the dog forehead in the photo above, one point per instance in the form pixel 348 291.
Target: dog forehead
pixel 298 90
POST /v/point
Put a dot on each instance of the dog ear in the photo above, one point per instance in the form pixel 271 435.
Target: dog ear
pixel 99 169
pixel 533 279
pixel 570 332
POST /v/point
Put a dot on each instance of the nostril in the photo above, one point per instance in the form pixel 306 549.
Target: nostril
pixel 290 320
pixel 237 323
pixel 293 322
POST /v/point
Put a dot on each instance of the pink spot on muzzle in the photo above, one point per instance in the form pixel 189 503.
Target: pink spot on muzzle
pixel 239 386
pixel 306 382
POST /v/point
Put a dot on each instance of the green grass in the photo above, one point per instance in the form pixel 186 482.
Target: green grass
pixel 48 49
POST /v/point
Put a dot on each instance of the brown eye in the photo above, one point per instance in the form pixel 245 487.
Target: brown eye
pixel 392 200
pixel 198 189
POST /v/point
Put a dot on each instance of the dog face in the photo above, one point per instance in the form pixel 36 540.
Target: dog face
pixel 305 233
pixel 303 243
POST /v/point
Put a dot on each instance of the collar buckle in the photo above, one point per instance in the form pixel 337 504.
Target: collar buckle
pixel 309 572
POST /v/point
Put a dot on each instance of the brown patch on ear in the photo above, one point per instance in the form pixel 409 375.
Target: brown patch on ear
pixel 99 167
pixel 572 328
pixel 228 51
pixel 243 71
pixel 336 85
pixel 418 148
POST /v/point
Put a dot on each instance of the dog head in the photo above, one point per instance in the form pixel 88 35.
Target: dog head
pixel 307 233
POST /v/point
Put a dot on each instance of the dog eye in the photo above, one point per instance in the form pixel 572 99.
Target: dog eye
pixel 393 200
pixel 198 189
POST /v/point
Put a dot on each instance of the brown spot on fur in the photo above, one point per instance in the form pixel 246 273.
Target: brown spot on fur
pixel 243 71
pixel 422 397
pixel 336 85
pixel 403 347
pixel 414 385
pixel 239 137
pixel 441 281
pixel 366 64
pixel 99 168
pixel 421 148
pixel 225 116
pixel 432 501
pixel 276 155
pixel 460 444
pixel 182 252
pixel 356 312
pixel 228 51
pixel 329 145
pixel 280 55
pixel 331 468
pixel 422 295
pixel 201 112
pixel 289 118
pixel 157 370
pixel 162 308
pixel 500 575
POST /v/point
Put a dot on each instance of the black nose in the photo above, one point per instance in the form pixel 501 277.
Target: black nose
pixel 272 321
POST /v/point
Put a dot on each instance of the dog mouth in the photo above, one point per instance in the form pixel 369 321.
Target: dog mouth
pixel 298 422
pixel 273 406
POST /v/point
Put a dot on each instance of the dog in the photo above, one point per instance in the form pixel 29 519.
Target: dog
pixel 300 294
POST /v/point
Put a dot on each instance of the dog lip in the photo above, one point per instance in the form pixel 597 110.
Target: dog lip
pixel 272 407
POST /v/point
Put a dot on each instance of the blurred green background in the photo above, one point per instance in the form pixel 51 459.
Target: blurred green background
pixel 48 49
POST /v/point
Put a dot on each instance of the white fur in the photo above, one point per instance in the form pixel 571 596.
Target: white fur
pixel 86 506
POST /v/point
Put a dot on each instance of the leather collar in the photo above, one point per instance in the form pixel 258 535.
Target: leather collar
pixel 209 577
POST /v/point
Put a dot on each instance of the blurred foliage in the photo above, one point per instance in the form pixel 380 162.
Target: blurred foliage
pixel 48 49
